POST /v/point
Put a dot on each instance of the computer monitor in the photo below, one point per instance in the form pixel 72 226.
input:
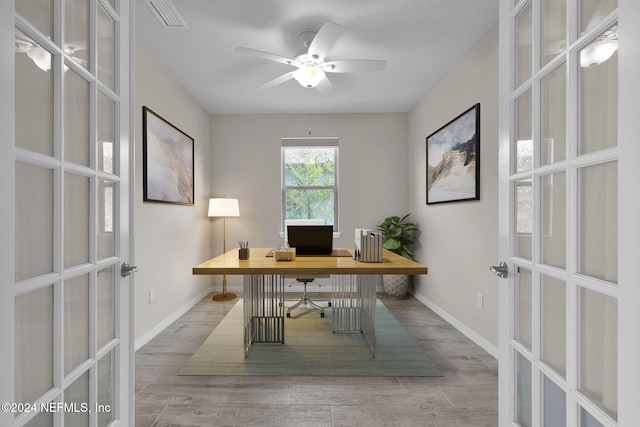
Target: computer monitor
pixel 311 239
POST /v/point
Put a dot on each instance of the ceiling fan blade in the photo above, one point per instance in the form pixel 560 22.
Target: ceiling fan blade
pixel 265 55
pixel 72 47
pixel 354 66
pixel 23 46
pixel 599 14
pixel 278 80
pixel 325 87
pixel 324 40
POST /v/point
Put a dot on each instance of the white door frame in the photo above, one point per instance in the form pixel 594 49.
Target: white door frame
pixel 7 215
pixel 125 383
pixel 629 208
pixel 505 323
pixel 628 225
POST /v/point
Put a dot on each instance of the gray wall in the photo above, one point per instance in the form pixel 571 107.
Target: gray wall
pixel 246 165
pixel 169 239
pixel 460 240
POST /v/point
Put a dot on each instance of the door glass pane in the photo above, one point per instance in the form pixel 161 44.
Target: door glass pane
pixel 34 221
pixel 34 344
pixel 76 221
pixel 33 96
pixel 593 11
pixel 554 32
pixel 524 218
pixel 43 419
pixel 554 405
pixel 598 350
pixel 39 13
pixel 106 48
pixel 106 243
pixel 599 94
pixel 106 381
pixel 524 48
pixel 76 118
pixel 77 30
pixel 524 307
pixel 598 210
pixel 76 397
pixel 106 114
pixel 553 116
pixel 553 213
pixel 524 134
pixel 105 306
pixel 523 391
pixel 587 420
pixel 76 322
pixel 554 321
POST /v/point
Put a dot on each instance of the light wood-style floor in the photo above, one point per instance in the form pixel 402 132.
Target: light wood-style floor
pixel 467 395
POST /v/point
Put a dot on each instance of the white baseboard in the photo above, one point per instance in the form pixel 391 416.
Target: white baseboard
pixel 464 329
pixel 151 334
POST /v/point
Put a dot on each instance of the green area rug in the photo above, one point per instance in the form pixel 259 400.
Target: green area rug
pixel 311 348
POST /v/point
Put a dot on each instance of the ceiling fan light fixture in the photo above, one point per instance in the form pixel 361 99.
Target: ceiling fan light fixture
pixel 309 76
pixel 598 52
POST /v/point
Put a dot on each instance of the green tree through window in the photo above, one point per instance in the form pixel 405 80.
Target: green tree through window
pixel 309 183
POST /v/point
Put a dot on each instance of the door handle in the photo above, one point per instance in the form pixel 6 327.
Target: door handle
pixel 127 269
pixel 502 270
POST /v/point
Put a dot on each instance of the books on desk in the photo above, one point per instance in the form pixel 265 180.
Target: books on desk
pixel 368 245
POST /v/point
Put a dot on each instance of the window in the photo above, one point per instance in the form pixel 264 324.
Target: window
pixel 310 179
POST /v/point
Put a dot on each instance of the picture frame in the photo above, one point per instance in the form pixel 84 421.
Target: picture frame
pixel 167 161
pixel 453 160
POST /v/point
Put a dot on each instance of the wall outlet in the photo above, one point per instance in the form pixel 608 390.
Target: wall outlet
pixel 152 296
pixel 480 301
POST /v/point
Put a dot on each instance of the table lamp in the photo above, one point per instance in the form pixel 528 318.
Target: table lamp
pixel 224 208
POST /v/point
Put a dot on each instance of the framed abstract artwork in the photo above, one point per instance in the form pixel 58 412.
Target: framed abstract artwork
pixel 167 161
pixel 453 159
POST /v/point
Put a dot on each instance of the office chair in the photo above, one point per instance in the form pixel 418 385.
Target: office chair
pixel 305 299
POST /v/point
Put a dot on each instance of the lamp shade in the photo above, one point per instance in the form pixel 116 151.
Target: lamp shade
pixel 222 207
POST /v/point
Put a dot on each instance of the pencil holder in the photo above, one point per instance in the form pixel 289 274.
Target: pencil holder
pixel 243 253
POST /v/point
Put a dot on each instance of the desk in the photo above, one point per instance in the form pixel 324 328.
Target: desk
pixel 353 289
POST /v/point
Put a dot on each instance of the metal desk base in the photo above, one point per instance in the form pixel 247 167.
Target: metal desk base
pixel 263 309
pixel 353 306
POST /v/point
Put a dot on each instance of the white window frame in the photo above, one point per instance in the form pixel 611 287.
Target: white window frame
pixel 327 142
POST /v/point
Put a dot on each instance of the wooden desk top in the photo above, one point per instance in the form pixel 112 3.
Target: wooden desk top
pixel 259 263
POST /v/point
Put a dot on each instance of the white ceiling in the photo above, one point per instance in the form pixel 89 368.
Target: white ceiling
pixel 419 39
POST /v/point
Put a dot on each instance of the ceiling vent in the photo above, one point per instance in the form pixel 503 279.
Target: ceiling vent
pixel 166 13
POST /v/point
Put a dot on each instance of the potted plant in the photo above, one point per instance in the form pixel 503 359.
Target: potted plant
pixel 399 235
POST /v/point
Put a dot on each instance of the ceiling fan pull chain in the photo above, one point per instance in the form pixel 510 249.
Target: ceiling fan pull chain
pixel 309 98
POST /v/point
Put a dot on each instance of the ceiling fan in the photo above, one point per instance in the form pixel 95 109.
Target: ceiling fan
pixel 311 64
pixel 41 57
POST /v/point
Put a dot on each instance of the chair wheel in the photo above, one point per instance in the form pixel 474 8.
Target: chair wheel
pixel 329 304
pixel 288 314
pixel 321 314
pixel 280 304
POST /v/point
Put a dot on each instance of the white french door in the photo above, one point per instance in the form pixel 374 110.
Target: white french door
pixel 569 203
pixel 65 168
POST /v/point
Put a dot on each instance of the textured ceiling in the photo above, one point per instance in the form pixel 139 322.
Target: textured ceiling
pixel 419 39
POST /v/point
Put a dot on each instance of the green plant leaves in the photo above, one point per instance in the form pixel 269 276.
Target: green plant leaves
pixel 398 234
